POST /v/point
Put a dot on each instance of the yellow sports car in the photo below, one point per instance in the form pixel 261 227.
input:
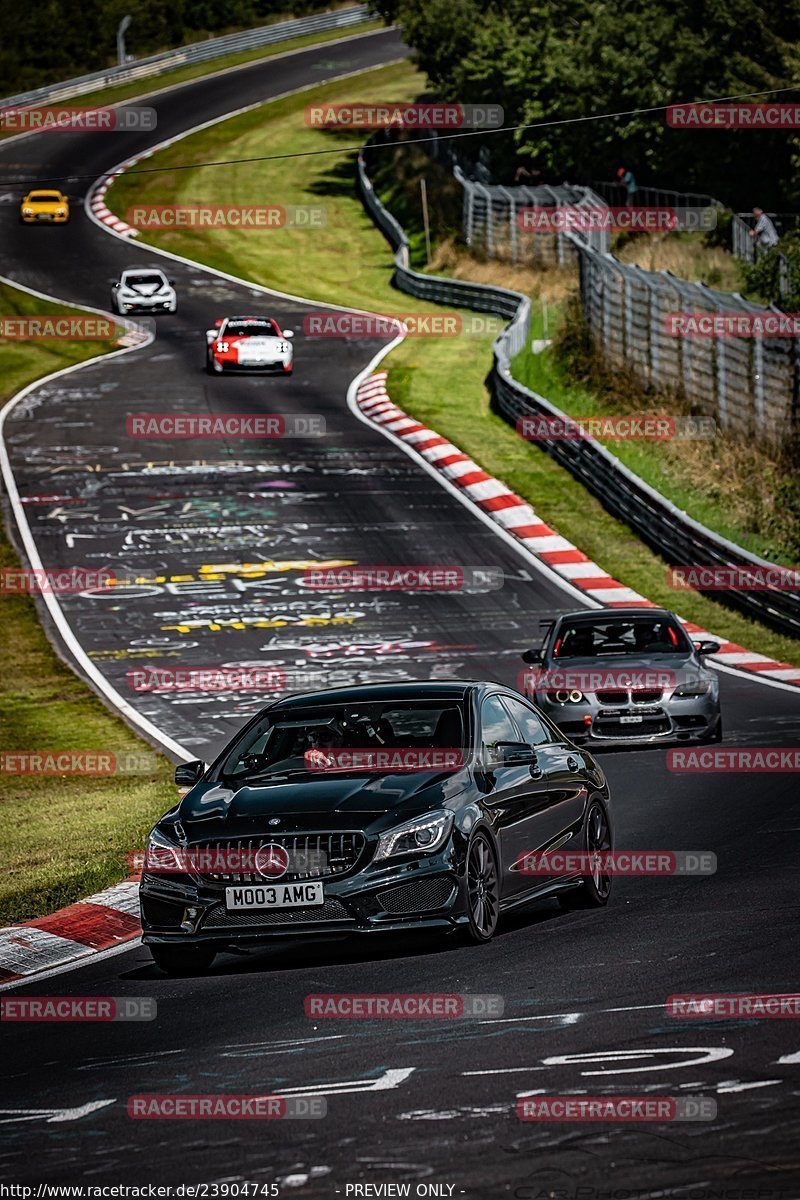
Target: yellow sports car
pixel 44 205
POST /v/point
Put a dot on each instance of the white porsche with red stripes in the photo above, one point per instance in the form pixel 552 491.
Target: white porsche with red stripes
pixel 249 344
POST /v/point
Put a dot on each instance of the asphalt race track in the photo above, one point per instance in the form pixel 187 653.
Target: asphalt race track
pixel 420 1102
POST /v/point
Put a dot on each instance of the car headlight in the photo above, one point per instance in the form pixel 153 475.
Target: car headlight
pixel 422 835
pixel 222 347
pixel 567 696
pixel 161 855
pixel 695 687
pixel 61 212
pixel 28 212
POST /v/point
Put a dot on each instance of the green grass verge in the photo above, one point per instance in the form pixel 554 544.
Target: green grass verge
pixel 61 837
pixel 731 489
pixel 439 381
pixel 156 83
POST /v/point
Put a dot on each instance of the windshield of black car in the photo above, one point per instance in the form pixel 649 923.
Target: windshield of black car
pixel 635 636
pixel 249 329
pixel 140 280
pixel 353 738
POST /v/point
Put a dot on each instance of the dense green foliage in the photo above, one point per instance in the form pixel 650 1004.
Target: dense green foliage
pixel 546 59
pixel 44 43
pixel 764 276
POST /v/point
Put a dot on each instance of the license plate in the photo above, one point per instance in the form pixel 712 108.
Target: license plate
pixel 637 720
pixel 274 895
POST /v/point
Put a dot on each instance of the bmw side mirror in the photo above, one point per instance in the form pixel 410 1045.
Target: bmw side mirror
pixel 289 333
pixel 532 656
pixel 707 647
pixel 170 281
pixel 188 774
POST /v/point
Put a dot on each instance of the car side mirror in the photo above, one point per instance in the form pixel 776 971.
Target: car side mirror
pixel 170 281
pixel 188 774
pixel 288 333
pixel 516 754
pixel 211 333
pixel 706 646
pixel 532 656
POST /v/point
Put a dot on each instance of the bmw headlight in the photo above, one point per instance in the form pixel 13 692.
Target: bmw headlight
pixel 694 687
pixel 422 835
pixel 567 696
pixel 161 855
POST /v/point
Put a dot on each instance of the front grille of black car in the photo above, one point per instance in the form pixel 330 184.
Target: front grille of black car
pixel 425 895
pixel 332 910
pixel 647 697
pixel 337 852
pixel 613 697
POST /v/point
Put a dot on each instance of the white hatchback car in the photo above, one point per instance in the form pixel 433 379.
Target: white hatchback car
pixel 144 289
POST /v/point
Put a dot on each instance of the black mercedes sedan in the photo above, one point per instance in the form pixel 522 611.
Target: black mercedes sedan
pixel 376 809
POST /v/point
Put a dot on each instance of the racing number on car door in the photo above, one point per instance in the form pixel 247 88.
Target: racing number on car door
pixel 519 792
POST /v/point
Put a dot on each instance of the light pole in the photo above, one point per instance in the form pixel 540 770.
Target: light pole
pixel 123 25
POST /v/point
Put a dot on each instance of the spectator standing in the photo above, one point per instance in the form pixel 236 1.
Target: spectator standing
pixel 764 233
pixel 626 177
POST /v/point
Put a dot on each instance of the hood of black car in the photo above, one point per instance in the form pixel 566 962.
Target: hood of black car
pixel 360 797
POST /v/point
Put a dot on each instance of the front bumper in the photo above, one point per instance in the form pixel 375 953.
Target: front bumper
pixel 146 305
pixel 379 898
pixel 279 365
pixel 44 218
pixel 693 719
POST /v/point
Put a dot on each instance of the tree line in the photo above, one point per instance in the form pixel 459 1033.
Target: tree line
pixel 546 60
pixel 45 43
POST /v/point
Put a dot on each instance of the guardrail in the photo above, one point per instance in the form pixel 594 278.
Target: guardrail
pixel 669 531
pixel 196 52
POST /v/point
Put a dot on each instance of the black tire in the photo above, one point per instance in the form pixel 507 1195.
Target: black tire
pixel 716 736
pixel 483 889
pixel 595 887
pixel 183 960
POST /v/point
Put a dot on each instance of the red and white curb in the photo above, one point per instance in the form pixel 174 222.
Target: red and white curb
pixel 97 199
pixel 109 918
pixel 517 517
